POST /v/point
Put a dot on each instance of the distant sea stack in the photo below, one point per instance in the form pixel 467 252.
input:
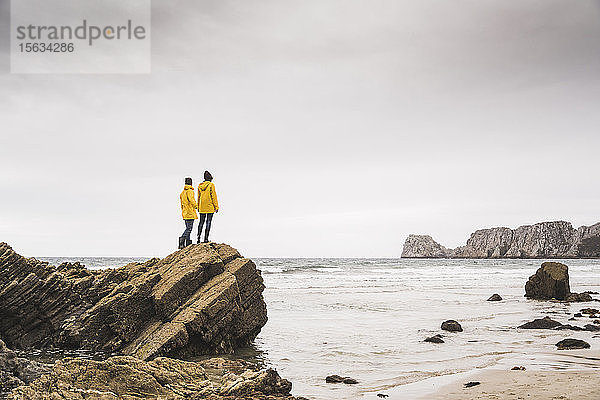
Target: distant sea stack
pixel 543 240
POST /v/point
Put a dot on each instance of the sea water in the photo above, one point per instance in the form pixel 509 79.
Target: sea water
pixel 367 318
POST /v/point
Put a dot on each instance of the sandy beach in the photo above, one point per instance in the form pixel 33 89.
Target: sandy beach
pixel 539 385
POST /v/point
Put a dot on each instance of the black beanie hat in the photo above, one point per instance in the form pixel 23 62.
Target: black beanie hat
pixel 188 181
pixel 207 176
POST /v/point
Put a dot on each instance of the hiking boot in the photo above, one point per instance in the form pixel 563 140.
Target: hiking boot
pixel 181 242
pixel 188 242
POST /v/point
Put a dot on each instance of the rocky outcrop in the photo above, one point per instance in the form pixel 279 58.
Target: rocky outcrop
pixel 423 246
pixel 551 281
pixel 203 299
pixel 16 371
pixel 543 240
pixel 125 377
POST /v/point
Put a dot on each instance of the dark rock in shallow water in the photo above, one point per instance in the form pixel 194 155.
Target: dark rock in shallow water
pixel 125 377
pixel 541 323
pixel 578 298
pixel 572 344
pixel 204 299
pixel 577 315
pixel 568 327
pixel 16 371
pixel 589 311
pixel 518 369
pixel 471 384
pixel 551 281
pixel 341 379
pixel 451 326
pixel 592 328
pixel 434 339
pixel 495 297
pixel 590 292
pixel 334 379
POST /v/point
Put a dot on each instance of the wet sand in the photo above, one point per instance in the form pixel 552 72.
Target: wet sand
pixel 539 385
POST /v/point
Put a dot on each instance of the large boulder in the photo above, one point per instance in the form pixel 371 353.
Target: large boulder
pixel 128 378
pixel 551 281
pixel 204 299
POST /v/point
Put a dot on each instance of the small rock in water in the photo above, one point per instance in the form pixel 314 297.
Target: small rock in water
pixel 578 297
pixel 577 315
pixel 435 339
pixel 589 311
pixel 471 384
pixel 568 327
pixel 541 323
pixel 592 328
pixel 572 344
pixel 451 326
pixel 495 297
pixel 334 379
pixel 590 292
pixel 383 396
pixel 339 379
pixel 597 321
pixel 518 368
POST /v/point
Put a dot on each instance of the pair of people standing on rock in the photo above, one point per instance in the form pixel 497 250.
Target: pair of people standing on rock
pixel 207 205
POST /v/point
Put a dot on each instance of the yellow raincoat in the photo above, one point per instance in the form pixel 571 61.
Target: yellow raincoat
pixel 207 198
pixel 188 203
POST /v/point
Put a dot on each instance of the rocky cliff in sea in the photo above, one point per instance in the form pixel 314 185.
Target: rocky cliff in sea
pixel 543 240
pixel 204 299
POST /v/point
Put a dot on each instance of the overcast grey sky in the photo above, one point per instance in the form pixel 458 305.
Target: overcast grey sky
pixel 332 128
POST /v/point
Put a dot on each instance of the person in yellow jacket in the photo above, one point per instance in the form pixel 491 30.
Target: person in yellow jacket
pixel 207 204
pixel 188 212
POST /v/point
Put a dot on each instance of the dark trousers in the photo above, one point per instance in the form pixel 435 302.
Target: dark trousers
pixel 208 218
pixel 189 225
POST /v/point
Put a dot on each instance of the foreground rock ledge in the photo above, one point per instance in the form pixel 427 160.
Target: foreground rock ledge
pixel 204 299
pixel 129 378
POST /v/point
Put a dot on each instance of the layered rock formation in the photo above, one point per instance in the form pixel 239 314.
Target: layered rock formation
pixel 129 378
pixel 203 299
pixel 543 240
